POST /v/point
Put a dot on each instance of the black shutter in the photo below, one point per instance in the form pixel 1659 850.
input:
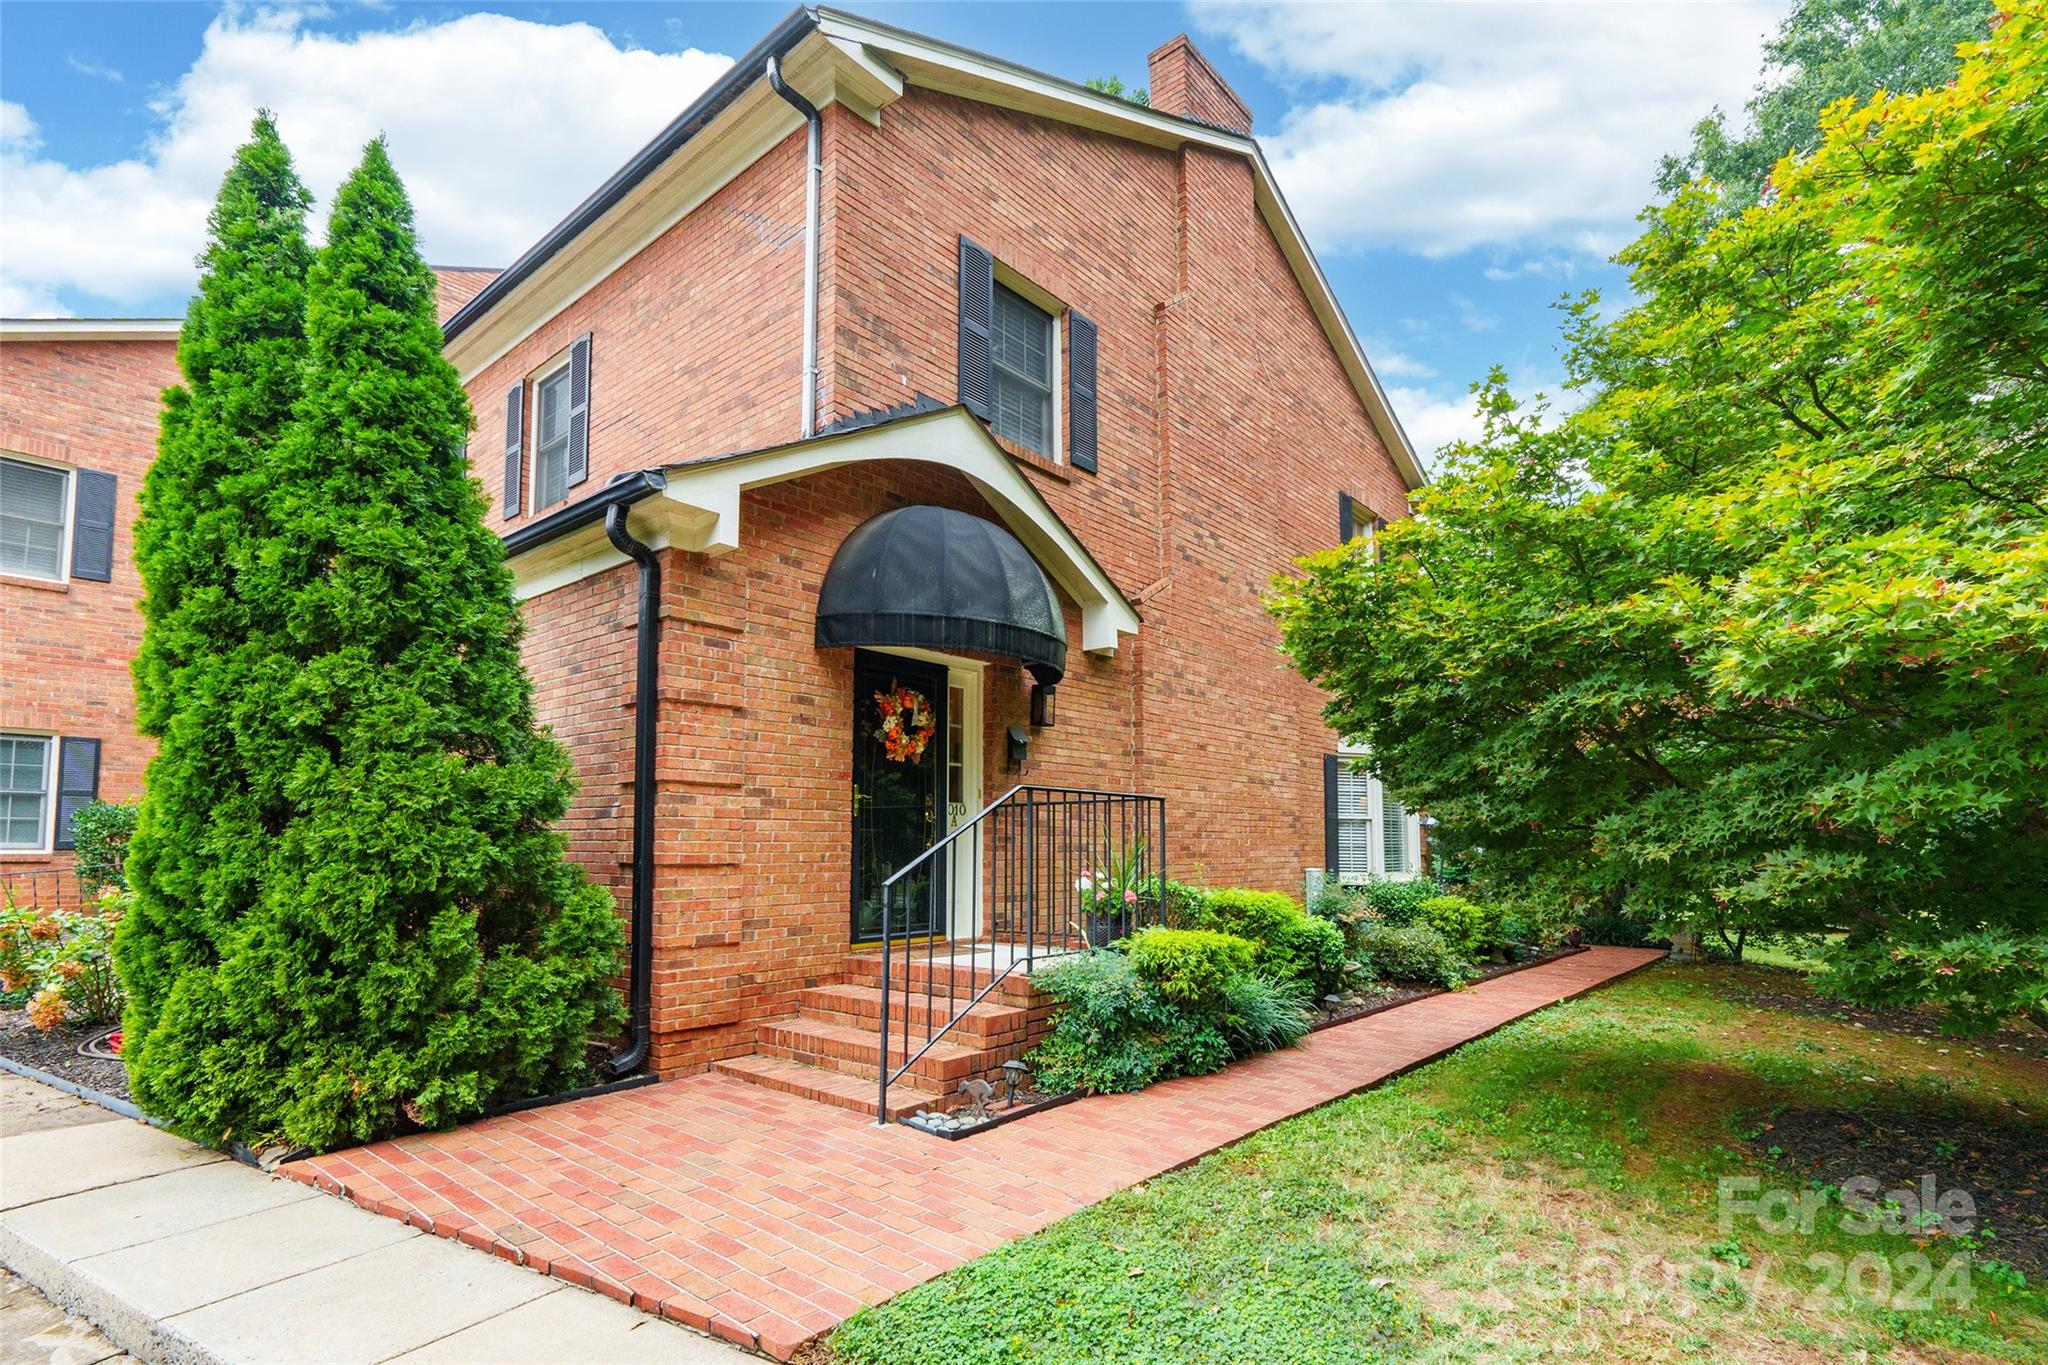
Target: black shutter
pixel 78 783
pixel 92 526
pixel 977 330
pixel 1081 392
pixel 1347 519
pixel 1379 551
pixel 579 410
pixel 515 458
pixel 1330 762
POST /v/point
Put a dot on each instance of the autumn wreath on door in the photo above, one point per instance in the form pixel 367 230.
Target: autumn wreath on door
pixel 907 723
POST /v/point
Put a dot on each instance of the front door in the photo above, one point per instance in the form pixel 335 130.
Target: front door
pixel 899 791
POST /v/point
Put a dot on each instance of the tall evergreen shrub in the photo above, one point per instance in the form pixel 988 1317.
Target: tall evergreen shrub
pixel 413 943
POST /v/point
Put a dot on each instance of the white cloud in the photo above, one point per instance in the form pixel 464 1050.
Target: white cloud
pixel 1392 363
pixel 1488 124
pixel 98 70
pixel 500 126
pixel 1472 317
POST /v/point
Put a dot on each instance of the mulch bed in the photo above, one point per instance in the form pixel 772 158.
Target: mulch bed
pixel 1794 996
pixel 57 1053
pixel 2002 1166
pixel 1384 995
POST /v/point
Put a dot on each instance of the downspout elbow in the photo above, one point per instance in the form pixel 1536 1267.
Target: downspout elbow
pixel 814 176
pixel 646 717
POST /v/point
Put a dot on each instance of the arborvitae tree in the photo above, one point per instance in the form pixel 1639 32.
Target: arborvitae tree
pixel 196 859
pixel 419 945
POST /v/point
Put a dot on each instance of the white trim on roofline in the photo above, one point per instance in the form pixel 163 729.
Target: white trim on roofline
pixel 864 66
pixel 90 329
pixel 699 511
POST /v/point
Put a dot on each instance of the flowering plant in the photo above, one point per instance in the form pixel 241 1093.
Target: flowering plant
pixel 907 723
pixel 63 959
pixel 1110 891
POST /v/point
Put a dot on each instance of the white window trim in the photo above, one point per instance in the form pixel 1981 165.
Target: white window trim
pixel 547 370
pixel 52 776
pixel 1375 837
pixel 69 499
pixel 1038 298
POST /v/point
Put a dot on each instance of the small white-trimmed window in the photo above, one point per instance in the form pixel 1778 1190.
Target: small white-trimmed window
pixel 551 438
pixel 1372 833
pixel 35 506
pixel 26 763
pixel 1024 348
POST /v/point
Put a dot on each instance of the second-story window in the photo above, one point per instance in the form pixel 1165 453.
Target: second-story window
pixel 33 501
pixel 551 439
pixel 1023 347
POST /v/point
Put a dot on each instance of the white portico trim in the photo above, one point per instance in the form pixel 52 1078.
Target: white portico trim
pixel 698 509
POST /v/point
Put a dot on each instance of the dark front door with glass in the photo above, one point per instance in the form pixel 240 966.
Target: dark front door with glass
pixel 899 792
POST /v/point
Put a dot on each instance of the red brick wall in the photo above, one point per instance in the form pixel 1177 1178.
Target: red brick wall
pixel 90 405
pixel 696 342
pixel 1228 428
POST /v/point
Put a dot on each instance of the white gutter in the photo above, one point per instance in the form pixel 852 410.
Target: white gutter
pixel 814 178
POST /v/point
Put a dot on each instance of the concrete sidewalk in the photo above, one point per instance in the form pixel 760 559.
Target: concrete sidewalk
pixel 179 1254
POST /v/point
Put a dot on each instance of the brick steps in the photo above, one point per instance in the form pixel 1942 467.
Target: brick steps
pixel 831 1049
pixel 836 1088
pixel 861 1006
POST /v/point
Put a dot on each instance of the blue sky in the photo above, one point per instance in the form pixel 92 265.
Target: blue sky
pixel 1457 167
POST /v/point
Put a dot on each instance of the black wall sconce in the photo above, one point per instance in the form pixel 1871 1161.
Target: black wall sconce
pixel 1042 706
pixel 1019 745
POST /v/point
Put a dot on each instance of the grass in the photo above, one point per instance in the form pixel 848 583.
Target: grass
pixel 1548 1192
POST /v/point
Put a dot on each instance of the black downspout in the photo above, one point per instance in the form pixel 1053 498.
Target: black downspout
pixel 646 689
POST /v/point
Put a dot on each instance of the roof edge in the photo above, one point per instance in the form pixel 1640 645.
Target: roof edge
pixel 796 26
pixel 90 329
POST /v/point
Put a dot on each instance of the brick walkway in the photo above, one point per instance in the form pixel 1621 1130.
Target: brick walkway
pixel 770 1219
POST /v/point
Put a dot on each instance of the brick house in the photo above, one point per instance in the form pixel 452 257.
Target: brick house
pixel 888 370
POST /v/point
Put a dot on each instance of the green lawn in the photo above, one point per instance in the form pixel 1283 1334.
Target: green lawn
pixel 1549 1192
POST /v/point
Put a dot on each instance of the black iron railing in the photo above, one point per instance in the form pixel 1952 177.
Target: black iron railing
pixel 1038 873
pixel 43 888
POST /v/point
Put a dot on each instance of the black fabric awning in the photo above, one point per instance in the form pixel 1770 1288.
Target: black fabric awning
pixel 932 578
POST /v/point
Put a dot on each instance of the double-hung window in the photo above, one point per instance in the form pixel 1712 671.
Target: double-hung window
pixel 35 500
pixel 551 439
pixel 1370 833
pixel 1023 350
pixel 25 762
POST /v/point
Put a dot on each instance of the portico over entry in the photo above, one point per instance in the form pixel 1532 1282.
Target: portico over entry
pixel 696 505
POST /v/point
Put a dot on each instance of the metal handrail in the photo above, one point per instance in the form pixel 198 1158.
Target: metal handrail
pixel 1112 813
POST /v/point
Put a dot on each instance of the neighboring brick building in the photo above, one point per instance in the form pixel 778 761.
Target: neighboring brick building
pixel 78 419
pixel 1091 335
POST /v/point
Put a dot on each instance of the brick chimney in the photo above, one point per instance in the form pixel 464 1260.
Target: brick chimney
pixel 1184 83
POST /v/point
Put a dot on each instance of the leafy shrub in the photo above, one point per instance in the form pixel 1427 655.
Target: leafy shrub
pixel 1471 929
pixel 1290 945
pixel 1616 928
pixel 1399 902
pixel 1261 1014
pixel 62 961
pixel 1114 1032
pixel 1411 952
pixel 1189 966
pixel 1334 901
pixel 101 830
pixel 1184 908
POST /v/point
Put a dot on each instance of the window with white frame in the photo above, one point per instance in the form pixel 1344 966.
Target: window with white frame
pixel 1372 834
pixel 25 764
pixel 1023 349
pixel 551 439
pixel 35 499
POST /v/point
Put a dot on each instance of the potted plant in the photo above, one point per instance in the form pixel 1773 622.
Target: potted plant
pixel 1109 894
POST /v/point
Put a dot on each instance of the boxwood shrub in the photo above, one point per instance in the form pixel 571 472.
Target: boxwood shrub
pixel 1410 952
pixel 1289 944
pixel 1188 966
pixel 1472 929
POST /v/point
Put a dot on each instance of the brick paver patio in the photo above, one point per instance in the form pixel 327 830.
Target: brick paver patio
pixel 770 1219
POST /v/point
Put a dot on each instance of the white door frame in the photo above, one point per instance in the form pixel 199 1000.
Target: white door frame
pixel 961 806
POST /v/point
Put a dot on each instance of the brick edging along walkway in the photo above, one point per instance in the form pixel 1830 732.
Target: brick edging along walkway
pixel 770 1219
